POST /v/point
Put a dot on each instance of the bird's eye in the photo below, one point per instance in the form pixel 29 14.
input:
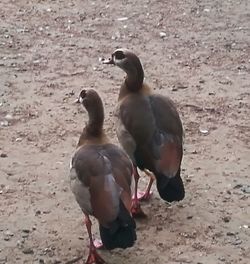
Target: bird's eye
pixel 83 94
pixel 119 55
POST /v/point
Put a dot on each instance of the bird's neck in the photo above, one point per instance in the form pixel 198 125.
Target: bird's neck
pixel 133 82
pixel 94 127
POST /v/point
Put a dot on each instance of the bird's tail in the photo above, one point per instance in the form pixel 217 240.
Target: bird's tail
pixel 121 232
pixel 170 189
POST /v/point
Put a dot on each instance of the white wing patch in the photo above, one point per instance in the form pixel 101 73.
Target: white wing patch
pixel 71 160
pixel 81 192
pixel 71 163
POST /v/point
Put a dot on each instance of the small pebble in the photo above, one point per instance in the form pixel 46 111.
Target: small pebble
pixel 236 242
pixel 230 234
pixel 9 117
pixel 28 251
pixel 38 212
pixel 204 131
pixel 246 189
pixel 237 186
pixel 122 18
pixel 47 211
pixel 4 123
pixel 3 155
pixel 226 219
pixel 162 34
pixel 159 228
pixel 20 243
pixel 25 235
pixel 9 233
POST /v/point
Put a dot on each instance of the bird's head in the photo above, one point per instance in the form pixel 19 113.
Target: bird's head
pixel 126 60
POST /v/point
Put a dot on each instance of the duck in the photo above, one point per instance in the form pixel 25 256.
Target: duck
pixel 100 178
pixel 149 128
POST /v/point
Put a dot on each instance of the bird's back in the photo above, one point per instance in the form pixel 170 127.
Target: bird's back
pixel 98 180
pixel 151 121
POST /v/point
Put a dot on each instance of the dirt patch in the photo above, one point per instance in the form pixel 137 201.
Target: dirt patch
pixel 196 52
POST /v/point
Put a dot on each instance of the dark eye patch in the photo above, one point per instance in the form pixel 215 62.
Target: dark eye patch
pixel 119 55
pixel 83 93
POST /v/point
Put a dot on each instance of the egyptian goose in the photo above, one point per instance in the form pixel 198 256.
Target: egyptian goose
pixel 150 130
pixel 100 178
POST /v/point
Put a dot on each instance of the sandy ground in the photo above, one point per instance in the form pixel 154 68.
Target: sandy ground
pixel 49 51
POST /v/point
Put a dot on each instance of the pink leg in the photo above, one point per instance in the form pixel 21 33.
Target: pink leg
pixel 136 207
pixel 98 244
pixel 93 257
pixel 145 196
